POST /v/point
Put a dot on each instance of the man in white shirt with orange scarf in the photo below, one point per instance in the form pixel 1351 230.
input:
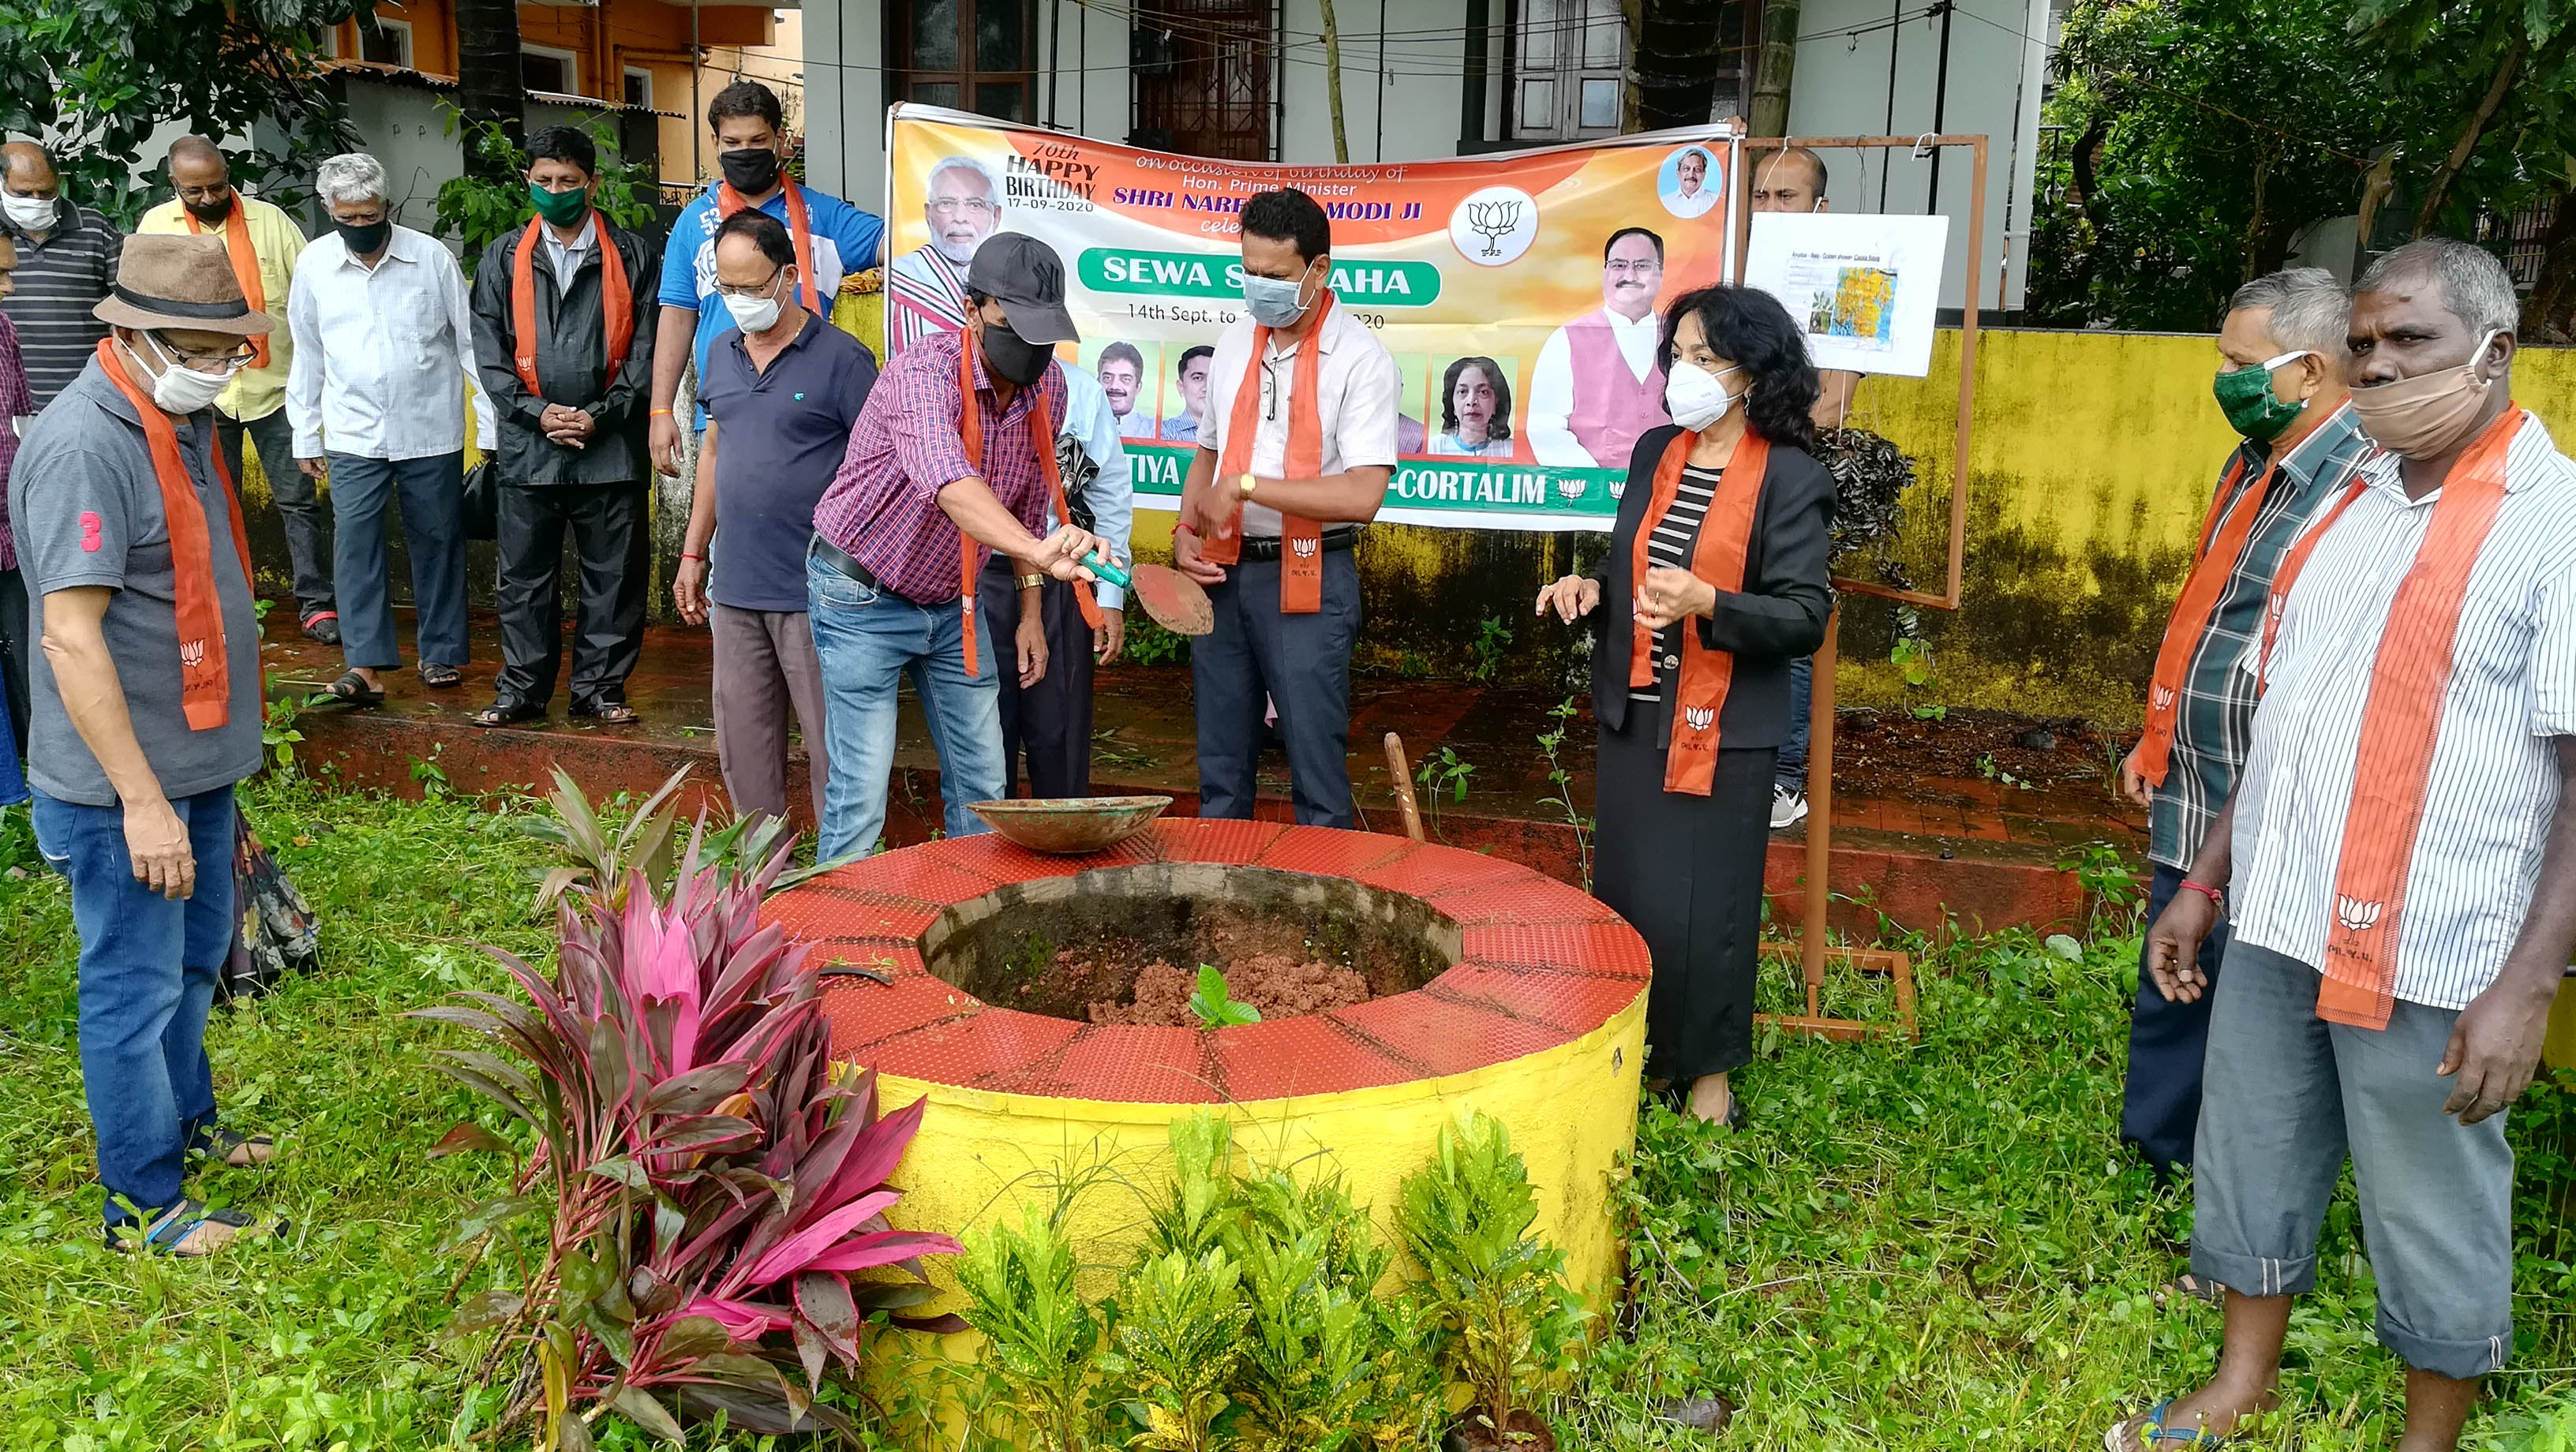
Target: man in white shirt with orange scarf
pixel 2399 862
pixel 1298 447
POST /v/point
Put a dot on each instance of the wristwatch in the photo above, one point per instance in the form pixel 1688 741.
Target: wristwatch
pixel 1028 582
pixel 1247 486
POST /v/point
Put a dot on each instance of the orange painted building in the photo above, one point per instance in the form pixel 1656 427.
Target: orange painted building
pixel 631 52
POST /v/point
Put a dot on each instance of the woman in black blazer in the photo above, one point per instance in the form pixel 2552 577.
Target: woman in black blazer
pixel 1690 677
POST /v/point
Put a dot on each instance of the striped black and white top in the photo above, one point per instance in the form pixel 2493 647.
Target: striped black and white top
pixel 1670 547
pixel 2494 783
pixel 59 282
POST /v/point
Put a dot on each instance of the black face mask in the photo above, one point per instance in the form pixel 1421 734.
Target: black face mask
pixel 1014 357
pixel 365 240
pixel 750 172
pixel 211 212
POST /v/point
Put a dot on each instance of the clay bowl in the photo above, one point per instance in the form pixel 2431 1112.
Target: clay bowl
pixel 1070 826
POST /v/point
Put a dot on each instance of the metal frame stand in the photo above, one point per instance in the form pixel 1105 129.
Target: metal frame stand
pixel 1811 950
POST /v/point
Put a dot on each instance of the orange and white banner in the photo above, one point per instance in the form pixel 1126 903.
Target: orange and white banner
pixel 1521 293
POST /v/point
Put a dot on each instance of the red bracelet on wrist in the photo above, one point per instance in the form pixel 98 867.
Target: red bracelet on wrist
pixel 2217 899
pixel 701 559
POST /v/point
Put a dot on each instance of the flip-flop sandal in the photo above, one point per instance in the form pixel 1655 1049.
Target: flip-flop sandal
pixel 2146 1432
pixel 2189 1287
pixel 352 690
pixel 609 713
pixel 441 677
pixel 167 1234
pixel 231 1145
pixel 497 714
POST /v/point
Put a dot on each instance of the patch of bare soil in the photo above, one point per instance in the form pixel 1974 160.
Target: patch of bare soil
pixel 1278 984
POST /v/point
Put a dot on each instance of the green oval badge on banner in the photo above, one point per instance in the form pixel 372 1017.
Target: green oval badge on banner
pixel 1387 284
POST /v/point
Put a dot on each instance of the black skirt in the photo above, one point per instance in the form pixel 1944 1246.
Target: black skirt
pixel 1686 872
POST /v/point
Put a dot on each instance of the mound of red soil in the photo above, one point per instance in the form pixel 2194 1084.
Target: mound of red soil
pixel 1278 985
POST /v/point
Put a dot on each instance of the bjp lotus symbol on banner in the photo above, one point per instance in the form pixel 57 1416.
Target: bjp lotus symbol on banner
pixel 1493 221
pixel 1493 226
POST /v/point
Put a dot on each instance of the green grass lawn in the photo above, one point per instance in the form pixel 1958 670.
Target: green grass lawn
pixel 1914 1246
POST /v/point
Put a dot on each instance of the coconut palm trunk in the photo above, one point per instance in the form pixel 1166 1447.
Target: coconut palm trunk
pixel 488 77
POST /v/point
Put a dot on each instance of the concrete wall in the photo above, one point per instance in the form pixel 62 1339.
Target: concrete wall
pixel 1842 88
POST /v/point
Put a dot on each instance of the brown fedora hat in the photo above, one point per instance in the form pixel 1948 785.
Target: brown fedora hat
pixel 172 281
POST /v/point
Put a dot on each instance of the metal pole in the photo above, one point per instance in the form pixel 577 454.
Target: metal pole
pixel 1940 109
pixel 1820 814
pixel 697 135
pixel 1967 370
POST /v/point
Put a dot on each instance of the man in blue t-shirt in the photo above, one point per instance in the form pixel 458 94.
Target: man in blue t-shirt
pixel 831 238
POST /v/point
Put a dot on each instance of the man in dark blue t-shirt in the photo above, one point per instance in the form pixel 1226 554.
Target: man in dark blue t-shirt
pixel 781 391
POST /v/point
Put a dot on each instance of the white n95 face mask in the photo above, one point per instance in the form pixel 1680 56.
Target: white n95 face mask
pixel 180 389
pixel 754 315
pixel 1694 397
pixel 30 214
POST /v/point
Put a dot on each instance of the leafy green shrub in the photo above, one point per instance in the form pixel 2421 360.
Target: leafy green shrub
pixel 1198 1205
pixel 1506 1317
pixel 1180 1330
pixel 1040 1337
pixel 1311 1363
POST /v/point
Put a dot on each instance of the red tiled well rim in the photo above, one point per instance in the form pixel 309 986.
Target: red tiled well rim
pixel 1540 964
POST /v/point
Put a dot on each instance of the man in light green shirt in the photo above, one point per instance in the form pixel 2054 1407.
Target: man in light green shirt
pixel 263 256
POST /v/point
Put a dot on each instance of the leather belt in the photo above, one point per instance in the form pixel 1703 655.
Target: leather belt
pixel 1266 547
pixel 848 564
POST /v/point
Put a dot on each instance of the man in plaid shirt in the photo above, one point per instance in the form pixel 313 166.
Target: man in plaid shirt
pixel 2282 387
pixel 907 525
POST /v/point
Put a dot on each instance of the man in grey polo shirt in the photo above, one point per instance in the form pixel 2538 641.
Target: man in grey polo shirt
pixel 781 390
pixel 147 711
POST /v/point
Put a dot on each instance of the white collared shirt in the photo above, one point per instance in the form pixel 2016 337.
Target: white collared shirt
pixel 566 256
pixel 1357 387
pixel 2493 788
pixel 382 354
pixel 1551 396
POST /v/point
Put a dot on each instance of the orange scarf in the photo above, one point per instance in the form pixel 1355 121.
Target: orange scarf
pixel 617 302
pixel 205 680
pixel 245 262
pixel 800 230
pixel 2400 720
pixel 1301 557
pixel 1699 696
pixel 2192 609
pixel 970 434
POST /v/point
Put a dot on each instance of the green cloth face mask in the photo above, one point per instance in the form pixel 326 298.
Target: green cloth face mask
pixel 2245 396
pixel 561 208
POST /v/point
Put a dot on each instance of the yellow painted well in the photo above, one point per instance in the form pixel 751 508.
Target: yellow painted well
pixel 1572 1111
pixel 2560 1049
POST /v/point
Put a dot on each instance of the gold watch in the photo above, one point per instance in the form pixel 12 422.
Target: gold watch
pixel 1247 486
pixel 1028 582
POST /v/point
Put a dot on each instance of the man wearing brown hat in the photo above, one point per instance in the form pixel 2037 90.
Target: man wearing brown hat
pixel 135 562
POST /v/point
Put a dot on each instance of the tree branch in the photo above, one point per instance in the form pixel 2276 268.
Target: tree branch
pixel 2440 190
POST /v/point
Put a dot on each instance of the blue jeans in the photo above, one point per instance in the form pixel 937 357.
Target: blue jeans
pixel 2289 1097
pixel 147 978
pixel 868 640
pixel 431 496
pixel 1790 770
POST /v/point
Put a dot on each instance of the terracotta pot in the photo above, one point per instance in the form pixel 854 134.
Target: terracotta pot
pixel 1472 1432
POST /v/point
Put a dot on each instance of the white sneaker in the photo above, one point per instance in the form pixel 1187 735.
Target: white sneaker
pixel 1788 806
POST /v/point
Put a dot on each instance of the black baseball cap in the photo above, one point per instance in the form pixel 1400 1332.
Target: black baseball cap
pixel 1025 276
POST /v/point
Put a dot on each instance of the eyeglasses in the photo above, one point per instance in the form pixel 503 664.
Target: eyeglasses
pixel 1622 267
pixel 225 364
pixel 759 289
pixel 970 206
pixel 206 194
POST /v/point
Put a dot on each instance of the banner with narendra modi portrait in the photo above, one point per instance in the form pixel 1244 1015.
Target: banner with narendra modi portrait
pixel 1521 293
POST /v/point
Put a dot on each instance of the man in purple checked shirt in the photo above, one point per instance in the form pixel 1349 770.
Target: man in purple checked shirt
pixel 953 457
pixel 17 410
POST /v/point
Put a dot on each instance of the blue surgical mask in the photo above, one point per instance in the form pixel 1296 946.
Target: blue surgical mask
pixel 1275 302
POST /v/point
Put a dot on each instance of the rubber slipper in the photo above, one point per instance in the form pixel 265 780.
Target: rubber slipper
pixel 2146 1432
pixel 353 691
pixel 2189 1287
pixel 231 1145
pixel 608 713
pixel 440 677
pixel 497 714
pixel 166 1235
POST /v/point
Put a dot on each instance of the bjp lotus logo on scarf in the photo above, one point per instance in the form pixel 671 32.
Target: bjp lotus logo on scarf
pixel 2164 697
pixel 1305 548
pixel 192 653
pixel 1699 718
pixel 2356 915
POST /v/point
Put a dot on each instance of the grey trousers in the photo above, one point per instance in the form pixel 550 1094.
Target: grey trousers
pixel 299 504
pixel 2285 1096
pixel 1300 662
pixel 430 494
pixel 1052 719
pixel 765 664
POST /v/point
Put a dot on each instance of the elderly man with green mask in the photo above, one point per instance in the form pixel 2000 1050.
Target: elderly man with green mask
pixel 2280 383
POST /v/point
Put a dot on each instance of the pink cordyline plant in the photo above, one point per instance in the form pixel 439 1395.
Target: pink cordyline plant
pixel 719 1185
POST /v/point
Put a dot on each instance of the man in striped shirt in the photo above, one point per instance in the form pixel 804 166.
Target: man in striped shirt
pixel 66 265
pixel 2281 385
pixel 2403 854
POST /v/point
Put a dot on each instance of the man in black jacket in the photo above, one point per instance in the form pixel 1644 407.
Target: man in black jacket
pixel 563 339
